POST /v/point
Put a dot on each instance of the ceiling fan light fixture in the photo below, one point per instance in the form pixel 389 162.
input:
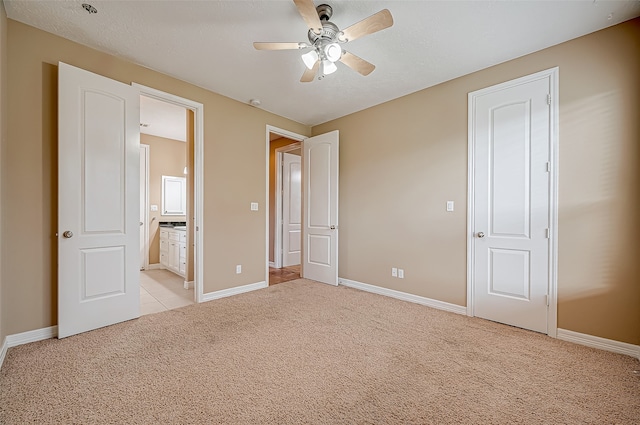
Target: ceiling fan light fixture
pixel 333 52
pixel 328 67
pixel 310 58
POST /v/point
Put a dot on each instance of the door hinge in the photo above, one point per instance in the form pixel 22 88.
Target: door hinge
pixel 548 166
pixel 546 300
pixel 548 233
pixel 549 99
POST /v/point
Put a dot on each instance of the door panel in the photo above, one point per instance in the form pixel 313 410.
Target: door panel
pixel 102 272
pixel 320 227
pixel 510 158
pixel 511 205
pixel 98 213
pixel 291 209
pixel 509 273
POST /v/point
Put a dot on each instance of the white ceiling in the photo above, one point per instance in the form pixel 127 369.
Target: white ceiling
pixel 209 43
pixel 163 119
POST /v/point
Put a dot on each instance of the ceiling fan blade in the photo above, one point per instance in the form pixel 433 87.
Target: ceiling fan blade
pixel 357 64
pixel 279 46
pixel 310 74
pixel 309 14
pixel 373 23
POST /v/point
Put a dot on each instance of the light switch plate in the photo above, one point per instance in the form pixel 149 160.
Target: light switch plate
pixel 254 206
pixel 394 272
pixel 401 273
pixel 449 205
pixel 238 269
pixel 154 208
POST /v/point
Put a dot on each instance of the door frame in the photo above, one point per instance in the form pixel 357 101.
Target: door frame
pixel 295 137
pixel 145 219
pixel 198 190
pixel 277 249
pixel 552 301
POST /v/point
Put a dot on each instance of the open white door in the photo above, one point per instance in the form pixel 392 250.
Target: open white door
pixel 291 209
pixel 98 201
pixel 320 206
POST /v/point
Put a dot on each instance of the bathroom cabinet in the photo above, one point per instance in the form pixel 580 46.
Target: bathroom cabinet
pixel 173 250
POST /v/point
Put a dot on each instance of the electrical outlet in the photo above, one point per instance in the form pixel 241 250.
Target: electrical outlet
pixel 394 272
pixel 154 208
pixel 401 273
pixel 238 269
pixel 254 206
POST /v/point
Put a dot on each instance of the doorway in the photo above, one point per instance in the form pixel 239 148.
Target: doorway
pixel 512 243
pixel 181 161
pixel 285 208
pixel 166 149
pixel 319 213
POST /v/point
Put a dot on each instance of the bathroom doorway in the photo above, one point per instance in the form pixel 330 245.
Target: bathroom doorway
pixel 168 136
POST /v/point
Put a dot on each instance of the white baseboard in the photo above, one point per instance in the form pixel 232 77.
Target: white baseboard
pixel 600 343
pixel 156 266
pixel 32 336
pixel 440 305
pixel 3 351
pixel 272 264
pixel 209 296
pixel 188 284
pixel 25 338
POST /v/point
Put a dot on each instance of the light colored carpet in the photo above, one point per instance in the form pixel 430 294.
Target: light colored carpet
pixel 303 352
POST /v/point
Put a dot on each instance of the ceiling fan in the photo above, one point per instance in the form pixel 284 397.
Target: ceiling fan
pixel 326 40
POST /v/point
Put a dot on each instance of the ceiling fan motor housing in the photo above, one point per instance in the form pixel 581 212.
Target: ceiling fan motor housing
pixel 329 33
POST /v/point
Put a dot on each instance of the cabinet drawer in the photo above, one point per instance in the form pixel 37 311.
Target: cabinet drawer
pixel 183 237
pixel 163 259
pixel 183 267
pixel 164 245
pixel 183 250
pixel 174 236
pixel 164 234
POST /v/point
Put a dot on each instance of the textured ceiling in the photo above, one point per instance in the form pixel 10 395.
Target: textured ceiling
pixel 209 43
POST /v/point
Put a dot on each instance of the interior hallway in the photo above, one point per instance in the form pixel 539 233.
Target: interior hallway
pixel 284 274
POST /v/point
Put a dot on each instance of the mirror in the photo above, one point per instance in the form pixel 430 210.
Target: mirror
pixel 174 195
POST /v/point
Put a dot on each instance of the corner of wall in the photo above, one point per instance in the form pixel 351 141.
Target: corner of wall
pixel 3 132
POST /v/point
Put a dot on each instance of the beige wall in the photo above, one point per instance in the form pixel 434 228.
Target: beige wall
pixel 234 174
pixel 167 157
pixel 3 130
pixel 275 144
pixel 413 151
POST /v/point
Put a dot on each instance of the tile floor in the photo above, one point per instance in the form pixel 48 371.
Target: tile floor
pixel 161 290
pixel 284 274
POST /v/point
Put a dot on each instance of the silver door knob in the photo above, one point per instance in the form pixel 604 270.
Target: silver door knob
pixel 68 234
pixel 480 235
pixel 140 223
pixel 332 227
